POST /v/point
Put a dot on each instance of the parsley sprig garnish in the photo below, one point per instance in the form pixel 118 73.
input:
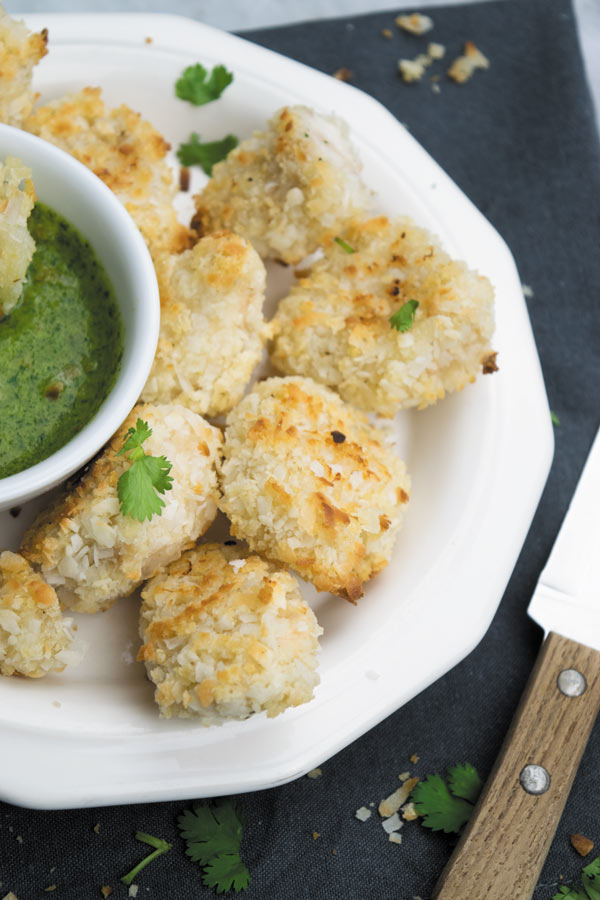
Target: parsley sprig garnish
pixel 213 835
pixel 446 805
pixel 160 847
pixel 147 477
pixel 404 317
pixel 195 153
pixel 196 88
pixel 590 885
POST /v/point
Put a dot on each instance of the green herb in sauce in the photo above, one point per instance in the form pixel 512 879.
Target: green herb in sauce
pixel 60 348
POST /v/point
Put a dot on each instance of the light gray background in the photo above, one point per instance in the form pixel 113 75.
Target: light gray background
pixel 236 15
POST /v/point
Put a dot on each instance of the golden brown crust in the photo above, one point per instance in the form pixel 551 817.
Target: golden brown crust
pixel 328 508
pixel 126 152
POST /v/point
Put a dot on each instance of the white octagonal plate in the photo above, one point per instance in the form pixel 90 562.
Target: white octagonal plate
pixel 478 460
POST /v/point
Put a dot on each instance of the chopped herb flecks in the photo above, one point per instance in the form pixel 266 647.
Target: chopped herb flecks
pixel 404 317
pixel 344 245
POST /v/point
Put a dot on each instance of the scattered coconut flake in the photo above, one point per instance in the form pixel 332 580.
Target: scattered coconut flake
pixel 133 890
pixel 97 828
pixel 413 69
pixel 362 814
pixel 527 290
pixel 404 776
pixel 414 759
pixel 409 813
pixel 57 704
pixel 51 887
pixel 415 23
pixel 463 66
pixel 10 896
pixel 314 773
pixel 20 839
pixel 436 51
pixel 394 823
pixel 395 837
pixel 436 89
pixel 393 803
pixel 237 564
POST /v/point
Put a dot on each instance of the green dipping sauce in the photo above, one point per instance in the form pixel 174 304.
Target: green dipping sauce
pixel 60 347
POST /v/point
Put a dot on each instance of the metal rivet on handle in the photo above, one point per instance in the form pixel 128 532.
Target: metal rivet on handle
pixel 571 683
pixel 535 779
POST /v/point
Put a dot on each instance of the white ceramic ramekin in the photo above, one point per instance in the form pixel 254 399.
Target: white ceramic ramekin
pixel 77 194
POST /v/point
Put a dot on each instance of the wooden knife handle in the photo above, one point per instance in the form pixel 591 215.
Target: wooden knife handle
pixel 504 846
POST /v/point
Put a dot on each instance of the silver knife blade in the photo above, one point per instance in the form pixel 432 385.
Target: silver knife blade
pixel 567 596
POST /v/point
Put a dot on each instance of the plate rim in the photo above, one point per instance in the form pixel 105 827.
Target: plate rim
pixel 125 785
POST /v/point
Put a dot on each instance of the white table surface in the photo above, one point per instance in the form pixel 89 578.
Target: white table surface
pixel 236 15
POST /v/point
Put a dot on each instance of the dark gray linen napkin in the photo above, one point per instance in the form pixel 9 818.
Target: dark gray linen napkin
pixel 520 140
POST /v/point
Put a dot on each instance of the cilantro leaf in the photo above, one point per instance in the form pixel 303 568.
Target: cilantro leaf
pixel 225 872
pixel 139 485
pixel 344 245
pixel 194 153
pixel 439 809
pixel 210 832
pixel 134 439
pixel 569 893
pixel 554 418
pixel 160 847
pixel 213 835
pixel 193 86
pixel 590 877
pixel 404 317
pixel 465 782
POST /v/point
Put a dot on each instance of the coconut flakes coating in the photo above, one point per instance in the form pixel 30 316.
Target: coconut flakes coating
pixel 335 324
pixel 20 51
pixel 308 482
pixel 90 552
pixel 288 188
pixel 16 244
pixel 126 152
pixel 212 329
pixel 227 635
pixel 35 638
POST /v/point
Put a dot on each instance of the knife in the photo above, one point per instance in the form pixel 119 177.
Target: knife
pixel 503 848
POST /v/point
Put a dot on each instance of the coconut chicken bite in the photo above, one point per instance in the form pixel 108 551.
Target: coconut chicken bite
pixel 16 244
pixel 90 551
pixel 387 318
pixel 20 51
pixel 35 637
pixel 311 484
pixel 126 152
pixel 286 189
pixel 227 635
pixel 212 329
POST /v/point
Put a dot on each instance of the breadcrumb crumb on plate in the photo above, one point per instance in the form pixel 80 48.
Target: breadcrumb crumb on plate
pixel 329 509
pixel 89 551
pixel 212 329
pixel 224 642
pixel 35 637
pixel 288 188
pixel 335 325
